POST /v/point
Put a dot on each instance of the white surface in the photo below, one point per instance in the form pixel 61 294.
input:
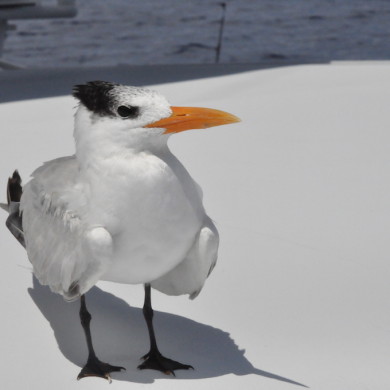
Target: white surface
pixel 299 192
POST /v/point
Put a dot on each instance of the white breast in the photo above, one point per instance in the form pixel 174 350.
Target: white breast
pixel 152 208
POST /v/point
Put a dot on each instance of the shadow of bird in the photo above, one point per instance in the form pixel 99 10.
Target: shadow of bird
pixel 120 336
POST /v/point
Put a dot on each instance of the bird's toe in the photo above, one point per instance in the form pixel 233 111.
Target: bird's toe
pixel 95 367
pixel 156 361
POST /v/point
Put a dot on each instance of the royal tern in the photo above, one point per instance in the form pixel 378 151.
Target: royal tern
pixel 122 209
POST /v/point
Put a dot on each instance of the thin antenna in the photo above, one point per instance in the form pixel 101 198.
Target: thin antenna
pixel 220 35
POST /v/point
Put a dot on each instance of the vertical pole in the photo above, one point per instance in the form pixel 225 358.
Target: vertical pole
pixel 3 34
pixel 220 35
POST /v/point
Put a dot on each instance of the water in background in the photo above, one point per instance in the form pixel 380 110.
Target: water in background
pixel 109 32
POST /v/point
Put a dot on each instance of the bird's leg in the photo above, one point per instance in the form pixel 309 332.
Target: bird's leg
pixel 153 359
pixel 93 367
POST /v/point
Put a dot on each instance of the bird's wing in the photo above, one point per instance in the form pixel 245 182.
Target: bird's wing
pixel 67 253
pixel 190 275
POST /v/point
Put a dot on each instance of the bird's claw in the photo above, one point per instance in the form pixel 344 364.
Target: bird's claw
pixel 155 361
pixel 95 367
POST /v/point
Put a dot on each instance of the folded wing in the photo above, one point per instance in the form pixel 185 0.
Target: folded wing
pixel 67 253
pixel 190 275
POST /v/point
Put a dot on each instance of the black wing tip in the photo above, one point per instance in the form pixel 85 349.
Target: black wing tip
pixel 16 177
pixel 14 188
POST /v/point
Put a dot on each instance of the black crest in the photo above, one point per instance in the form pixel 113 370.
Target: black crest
pixel 95 95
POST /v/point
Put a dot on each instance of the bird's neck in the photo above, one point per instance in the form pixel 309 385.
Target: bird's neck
pixel 99 140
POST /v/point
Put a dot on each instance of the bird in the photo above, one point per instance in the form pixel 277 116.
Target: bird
pixel 123 208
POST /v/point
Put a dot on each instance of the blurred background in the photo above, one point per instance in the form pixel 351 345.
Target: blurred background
pixel 137 32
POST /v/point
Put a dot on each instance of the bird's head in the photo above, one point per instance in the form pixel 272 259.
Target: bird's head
pixel 128 115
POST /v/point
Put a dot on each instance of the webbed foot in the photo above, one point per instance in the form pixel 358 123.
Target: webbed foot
pixel 155 361
pixel 95 367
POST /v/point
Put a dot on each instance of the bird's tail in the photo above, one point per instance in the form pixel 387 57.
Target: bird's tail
pixel 14 191
pixel 14 194
pixel 14 188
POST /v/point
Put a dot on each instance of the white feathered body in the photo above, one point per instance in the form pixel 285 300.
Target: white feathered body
pixel 129 214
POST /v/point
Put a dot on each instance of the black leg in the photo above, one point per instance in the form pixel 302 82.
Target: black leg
pixel 94 366
pixel 153 359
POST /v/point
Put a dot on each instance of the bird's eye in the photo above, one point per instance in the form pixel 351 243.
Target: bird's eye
pixel 128 111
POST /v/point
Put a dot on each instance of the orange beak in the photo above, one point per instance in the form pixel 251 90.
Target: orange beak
pixel 187 118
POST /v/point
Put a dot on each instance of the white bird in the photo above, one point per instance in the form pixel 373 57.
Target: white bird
pixel 122 209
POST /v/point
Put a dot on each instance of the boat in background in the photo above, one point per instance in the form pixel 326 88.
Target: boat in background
pixel 22 9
